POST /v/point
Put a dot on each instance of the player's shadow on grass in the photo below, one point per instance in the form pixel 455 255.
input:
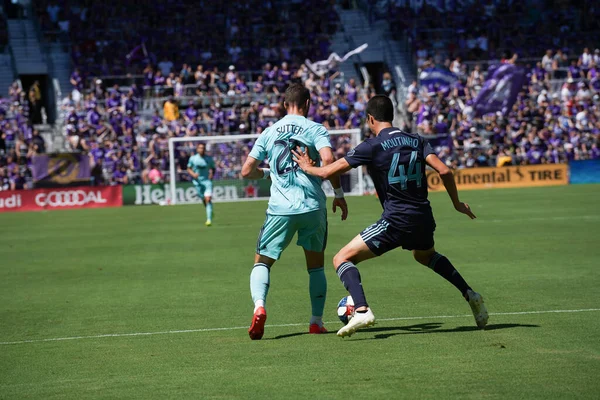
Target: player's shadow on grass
pixel 433 327
pixel 428 327
pixel 289 335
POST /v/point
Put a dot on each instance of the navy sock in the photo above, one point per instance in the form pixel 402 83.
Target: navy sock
pixel 443 267
pixel 350 277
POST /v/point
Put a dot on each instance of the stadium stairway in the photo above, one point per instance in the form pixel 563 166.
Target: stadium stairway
pixel 383 48
pixel 62 67
pixel 341 45
pixel 7 73
pixel 29 58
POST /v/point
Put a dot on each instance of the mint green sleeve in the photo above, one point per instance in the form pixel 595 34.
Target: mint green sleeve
pixel 259 151
pixel 321 137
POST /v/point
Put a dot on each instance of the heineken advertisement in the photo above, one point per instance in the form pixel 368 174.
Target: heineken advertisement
pixel 225 190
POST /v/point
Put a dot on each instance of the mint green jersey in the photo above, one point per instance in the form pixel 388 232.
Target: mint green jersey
pixel 201 166
pixel 292 191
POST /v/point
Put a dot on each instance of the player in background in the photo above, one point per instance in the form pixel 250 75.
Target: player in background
pixel 201 168
pixel 396 162
pixel 297 204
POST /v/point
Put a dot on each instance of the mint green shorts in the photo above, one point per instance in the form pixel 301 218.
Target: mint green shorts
pixel 203 189
pixel 279 230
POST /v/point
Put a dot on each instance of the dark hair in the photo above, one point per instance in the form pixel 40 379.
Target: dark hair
pixel 381 108
pixel 297 95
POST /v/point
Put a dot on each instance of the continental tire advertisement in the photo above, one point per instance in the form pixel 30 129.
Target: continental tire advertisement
pixel 504 177
pixel 225 190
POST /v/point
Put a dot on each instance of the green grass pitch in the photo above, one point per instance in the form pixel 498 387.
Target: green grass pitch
pixel 151 271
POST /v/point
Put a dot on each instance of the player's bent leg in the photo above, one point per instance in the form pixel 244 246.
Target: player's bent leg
pixel 275 235
pixel 344 262
pixel 443 267
pixel 356 251
pixel 259 288
pixel 317 288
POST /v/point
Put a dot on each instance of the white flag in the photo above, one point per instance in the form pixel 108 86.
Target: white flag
pixel 322 67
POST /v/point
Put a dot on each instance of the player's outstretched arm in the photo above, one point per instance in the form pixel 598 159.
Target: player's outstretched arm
pixel 327 158
pixel 326 172
pixel 250 169
pixel 448 178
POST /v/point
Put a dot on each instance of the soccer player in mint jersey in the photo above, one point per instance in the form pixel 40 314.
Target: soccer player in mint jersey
pixel 396 163
pixel 297 204
pixel 202 169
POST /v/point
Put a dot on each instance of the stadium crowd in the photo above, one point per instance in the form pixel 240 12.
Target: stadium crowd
pixel 107 37
pixel 128 137
pixel 19 140
pixel 184 80
pixel 556 117
pixel 553 120
pixel 490 29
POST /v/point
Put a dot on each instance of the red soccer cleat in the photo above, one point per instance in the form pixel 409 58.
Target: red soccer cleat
pixel 316 329
pixel 257 329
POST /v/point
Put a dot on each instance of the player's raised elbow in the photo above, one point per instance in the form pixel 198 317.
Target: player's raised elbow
pixel 445 171
pixel 246 171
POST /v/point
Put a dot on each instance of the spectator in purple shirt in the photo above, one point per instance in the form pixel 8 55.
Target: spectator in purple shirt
pixel 269 75
pixel 218 118
pixel 159 82
pixel 258 87
pixel 119 176
pixel 285 72
pixel 190 113
pixel 129 103
pixel 240 86
pixel 76 80
pixel 574 71
pixel 148 75
pixel 351 91
pixel 113 102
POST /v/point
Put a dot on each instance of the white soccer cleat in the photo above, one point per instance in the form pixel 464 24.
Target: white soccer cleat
pixel 359 320
pixel 479 310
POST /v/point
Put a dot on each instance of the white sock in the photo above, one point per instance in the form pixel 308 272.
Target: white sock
pixel 259 303
pixel 316 320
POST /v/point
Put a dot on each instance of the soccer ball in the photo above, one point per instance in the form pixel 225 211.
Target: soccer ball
pixel 345 309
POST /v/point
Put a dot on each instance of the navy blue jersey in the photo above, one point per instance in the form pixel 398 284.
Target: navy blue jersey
pixel 396 163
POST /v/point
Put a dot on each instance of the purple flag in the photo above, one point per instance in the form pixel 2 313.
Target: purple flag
pixel 500 89
pixel 135 53
pixel 62 168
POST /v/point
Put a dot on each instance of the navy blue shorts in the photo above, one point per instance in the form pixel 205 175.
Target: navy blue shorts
pixel 382 237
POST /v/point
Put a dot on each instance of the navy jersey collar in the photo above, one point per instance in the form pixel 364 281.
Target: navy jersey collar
pixel 388 131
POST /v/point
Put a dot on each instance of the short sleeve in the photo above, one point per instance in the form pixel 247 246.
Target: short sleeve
pixel 427 149
pixel 212 163
pixel 191 162
pixel 360 155
pixel 259 151
pixel 321 138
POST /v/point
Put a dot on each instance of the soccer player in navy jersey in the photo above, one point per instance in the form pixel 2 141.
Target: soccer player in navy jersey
pixel 396 163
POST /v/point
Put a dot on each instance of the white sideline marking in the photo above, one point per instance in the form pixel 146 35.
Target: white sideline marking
pixel 284 325
pixel 554 218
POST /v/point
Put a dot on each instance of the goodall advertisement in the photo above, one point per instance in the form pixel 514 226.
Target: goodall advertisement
pixel 61 199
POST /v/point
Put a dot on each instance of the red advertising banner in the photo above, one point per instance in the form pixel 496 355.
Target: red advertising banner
pixel 61 199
